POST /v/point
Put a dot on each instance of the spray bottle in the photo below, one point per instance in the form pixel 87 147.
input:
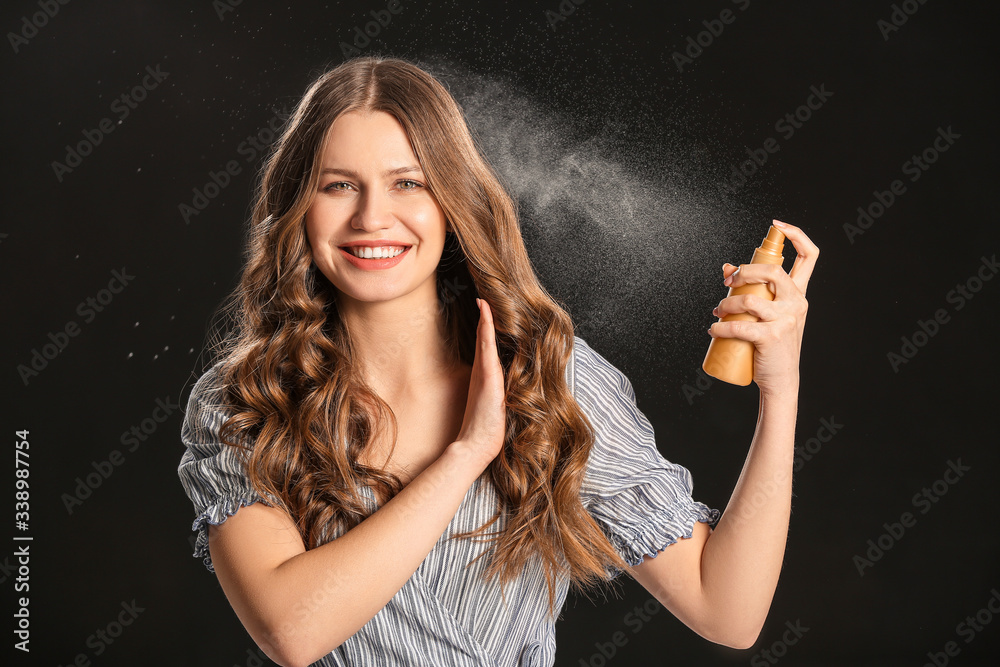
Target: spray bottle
pixel 731 359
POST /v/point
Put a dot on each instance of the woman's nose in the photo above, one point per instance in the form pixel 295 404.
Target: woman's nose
pixel 374 212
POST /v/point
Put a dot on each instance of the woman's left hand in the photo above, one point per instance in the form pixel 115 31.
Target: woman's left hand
pixel 777 337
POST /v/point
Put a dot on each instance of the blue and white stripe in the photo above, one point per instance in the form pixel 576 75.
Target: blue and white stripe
pixel 446 614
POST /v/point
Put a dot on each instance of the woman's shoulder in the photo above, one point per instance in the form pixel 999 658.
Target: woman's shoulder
pixel 208 388
pixel 209 380
pixel 206 408
pixel 589 372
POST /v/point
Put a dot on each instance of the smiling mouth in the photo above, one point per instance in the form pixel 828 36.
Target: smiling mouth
pixel 379 252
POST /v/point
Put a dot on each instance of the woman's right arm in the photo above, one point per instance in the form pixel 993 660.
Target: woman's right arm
pixel 299 605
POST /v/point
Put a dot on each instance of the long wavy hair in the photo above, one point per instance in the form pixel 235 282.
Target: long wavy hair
pixel 302 415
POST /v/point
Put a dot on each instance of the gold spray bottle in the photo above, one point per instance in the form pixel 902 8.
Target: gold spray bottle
pixel 731 359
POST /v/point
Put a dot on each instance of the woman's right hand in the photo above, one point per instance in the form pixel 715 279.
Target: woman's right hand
pixel 485 422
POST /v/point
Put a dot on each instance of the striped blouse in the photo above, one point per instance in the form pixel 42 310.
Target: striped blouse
pixel 446 614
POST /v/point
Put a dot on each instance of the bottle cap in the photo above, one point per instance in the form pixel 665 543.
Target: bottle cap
pixel 774 242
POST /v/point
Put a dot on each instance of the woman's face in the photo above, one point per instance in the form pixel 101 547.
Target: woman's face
pixel 373 201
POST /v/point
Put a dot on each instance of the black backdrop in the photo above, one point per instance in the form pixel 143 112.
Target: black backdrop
pixel 632 242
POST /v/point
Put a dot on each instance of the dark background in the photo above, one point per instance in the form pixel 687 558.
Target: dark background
pixel 601 84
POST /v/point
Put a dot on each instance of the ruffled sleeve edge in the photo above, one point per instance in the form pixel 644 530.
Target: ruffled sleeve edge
pixel 214 515
pixel 658 533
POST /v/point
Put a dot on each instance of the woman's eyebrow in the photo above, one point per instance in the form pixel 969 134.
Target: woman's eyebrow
pixel 353 174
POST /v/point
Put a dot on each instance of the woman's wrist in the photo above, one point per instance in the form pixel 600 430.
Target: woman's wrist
pixel 784 391
pixel 786 394
pixel 462 456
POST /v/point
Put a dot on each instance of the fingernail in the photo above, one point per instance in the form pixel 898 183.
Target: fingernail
pixel 732 275
pixel 779 223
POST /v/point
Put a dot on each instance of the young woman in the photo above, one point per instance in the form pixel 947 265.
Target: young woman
pixel 402 455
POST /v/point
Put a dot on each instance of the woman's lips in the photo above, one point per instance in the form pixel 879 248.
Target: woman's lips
pixel 374 263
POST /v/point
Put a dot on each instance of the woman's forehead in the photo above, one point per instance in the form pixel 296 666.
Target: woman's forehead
pixel 370 137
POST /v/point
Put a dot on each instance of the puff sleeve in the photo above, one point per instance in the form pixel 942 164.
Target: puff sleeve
pixel 642 501
pixel 212 473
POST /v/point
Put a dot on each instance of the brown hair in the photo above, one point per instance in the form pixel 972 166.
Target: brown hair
pixel 287 362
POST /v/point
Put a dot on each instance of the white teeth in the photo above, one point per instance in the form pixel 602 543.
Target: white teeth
pixel 382 252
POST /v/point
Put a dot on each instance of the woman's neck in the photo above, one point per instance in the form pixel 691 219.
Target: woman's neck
pixel 399 345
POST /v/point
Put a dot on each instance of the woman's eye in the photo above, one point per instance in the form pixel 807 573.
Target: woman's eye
pixel 344 186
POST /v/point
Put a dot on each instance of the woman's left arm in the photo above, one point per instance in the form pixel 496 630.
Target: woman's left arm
pixel 720 583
